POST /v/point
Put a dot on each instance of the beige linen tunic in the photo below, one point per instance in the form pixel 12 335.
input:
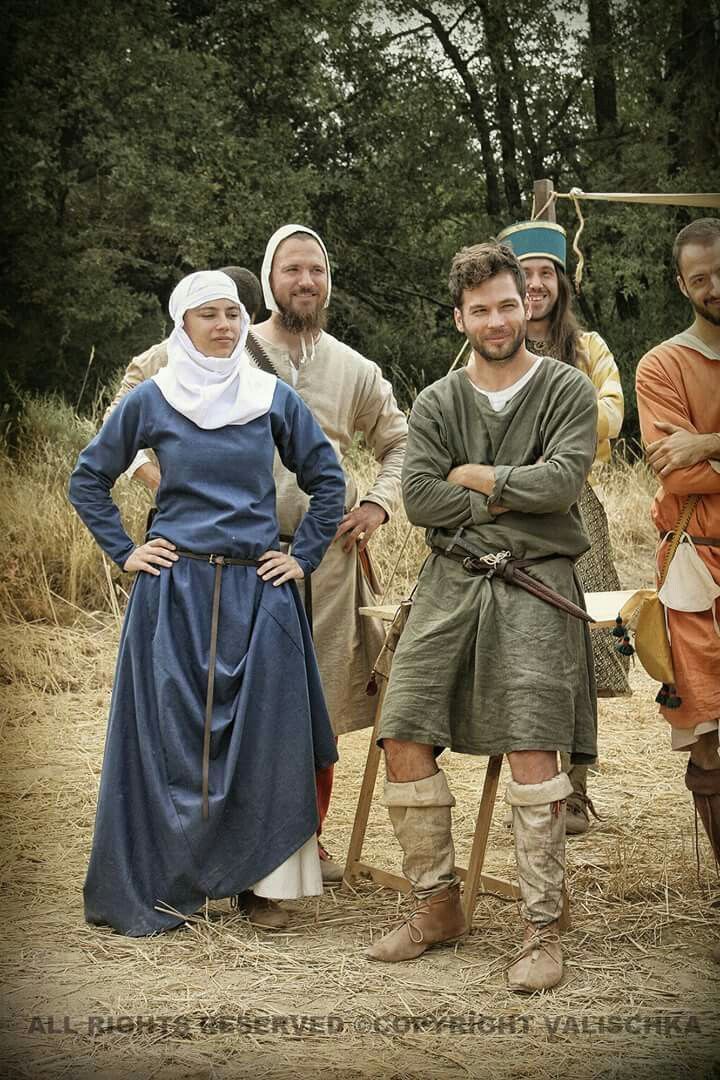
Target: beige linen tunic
pixel 347 394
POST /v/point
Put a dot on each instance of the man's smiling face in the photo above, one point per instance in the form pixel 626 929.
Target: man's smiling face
pixel 699 279
pixel 542 287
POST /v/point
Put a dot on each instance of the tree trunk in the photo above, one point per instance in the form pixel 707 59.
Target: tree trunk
pixel 534 157
pixel 693 76
pixel 497 36
pixel 475 103
pixel 602 60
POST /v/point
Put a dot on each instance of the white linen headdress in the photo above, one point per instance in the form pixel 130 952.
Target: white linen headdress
pixel 272 245
pixel 212 391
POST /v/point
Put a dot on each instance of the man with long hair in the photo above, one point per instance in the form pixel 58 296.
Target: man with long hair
pixel 553 330
pixel 678 393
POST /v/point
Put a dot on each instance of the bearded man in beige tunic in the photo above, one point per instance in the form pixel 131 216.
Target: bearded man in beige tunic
pixel 347 395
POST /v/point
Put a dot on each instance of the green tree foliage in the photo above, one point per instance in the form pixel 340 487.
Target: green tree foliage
pixel 150 137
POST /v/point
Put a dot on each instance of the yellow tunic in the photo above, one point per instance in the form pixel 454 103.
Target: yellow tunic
pixel 597 362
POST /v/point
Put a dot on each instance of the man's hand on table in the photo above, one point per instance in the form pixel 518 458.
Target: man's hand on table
pixel 680 449
pixel 358 526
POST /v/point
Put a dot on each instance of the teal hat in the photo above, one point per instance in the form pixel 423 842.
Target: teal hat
pixel 536 240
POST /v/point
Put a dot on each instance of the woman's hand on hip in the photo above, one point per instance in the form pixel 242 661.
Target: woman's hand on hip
pixel 279 568
pixel 148 557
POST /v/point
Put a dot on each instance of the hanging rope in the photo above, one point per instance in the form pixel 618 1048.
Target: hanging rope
pixel 576 245
pixel 536 214
pixel 394 570
pixel 458 358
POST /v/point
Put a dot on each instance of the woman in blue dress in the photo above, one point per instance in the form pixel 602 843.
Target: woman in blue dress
pixel 217 721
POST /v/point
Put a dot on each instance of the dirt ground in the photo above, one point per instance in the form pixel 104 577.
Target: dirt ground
pixel 639 998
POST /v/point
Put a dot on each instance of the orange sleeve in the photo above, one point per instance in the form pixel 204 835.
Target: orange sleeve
pixel 660 401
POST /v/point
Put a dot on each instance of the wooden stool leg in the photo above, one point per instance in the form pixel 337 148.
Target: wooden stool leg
pixel 482 830
pixel 362 812
pixel 565 922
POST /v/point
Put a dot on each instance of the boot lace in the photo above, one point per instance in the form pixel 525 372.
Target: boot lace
pixel 541 938
pixel 412 928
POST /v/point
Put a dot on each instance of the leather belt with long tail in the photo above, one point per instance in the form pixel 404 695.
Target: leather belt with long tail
pixel 501 564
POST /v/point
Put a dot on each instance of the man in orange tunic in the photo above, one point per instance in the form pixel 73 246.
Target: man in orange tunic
pixel 678 392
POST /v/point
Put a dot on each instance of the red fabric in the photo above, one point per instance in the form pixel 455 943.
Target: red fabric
pixel 324 784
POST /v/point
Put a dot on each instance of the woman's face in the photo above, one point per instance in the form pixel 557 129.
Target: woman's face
pixel 214 328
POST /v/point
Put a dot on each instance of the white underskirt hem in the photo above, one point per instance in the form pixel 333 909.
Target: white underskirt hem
pixel 300 875
pixel 683 738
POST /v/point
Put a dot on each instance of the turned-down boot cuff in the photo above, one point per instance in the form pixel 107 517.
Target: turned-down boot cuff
pixel 702 781
pixel 421 818
pixel 539 828
pixel 431 791
pixel 549 791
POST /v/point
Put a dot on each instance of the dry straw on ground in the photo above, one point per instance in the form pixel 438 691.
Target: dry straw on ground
pixel 638 952
pixel 639 947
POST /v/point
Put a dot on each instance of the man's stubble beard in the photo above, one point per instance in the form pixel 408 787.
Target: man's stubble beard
pixel 706 313
pixel 512 349
pixel 311 322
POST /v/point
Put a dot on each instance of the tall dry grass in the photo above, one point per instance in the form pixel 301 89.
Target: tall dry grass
pixel 51 569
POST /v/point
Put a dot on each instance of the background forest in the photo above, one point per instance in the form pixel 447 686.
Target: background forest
pixel 146 138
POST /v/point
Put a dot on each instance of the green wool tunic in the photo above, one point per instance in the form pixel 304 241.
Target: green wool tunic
pixel 482 666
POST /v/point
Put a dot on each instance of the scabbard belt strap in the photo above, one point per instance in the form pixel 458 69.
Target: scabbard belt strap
pixel 218 561
pixel 501 564
pixel 706 541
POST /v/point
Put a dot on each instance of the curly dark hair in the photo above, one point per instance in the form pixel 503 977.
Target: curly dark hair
pixel 476 264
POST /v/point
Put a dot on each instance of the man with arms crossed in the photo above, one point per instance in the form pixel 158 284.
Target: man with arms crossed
pixel 678 392
pixel 497 457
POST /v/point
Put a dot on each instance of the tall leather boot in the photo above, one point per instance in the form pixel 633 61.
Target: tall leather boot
pixel 539 827
pixel 420 814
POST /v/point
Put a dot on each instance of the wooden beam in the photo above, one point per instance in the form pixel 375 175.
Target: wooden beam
pixel 486 883
pixel 542 190
pixel 367 788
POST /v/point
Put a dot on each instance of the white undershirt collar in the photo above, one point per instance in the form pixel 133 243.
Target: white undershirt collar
pixel 499 398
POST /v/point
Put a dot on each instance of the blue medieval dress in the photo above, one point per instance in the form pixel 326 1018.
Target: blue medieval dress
pixel 270 730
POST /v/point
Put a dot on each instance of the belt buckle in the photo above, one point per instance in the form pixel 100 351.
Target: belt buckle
pixel 216 560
